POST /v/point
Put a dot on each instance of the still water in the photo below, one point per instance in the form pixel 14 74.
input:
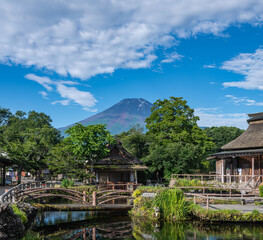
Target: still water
pixel 87 225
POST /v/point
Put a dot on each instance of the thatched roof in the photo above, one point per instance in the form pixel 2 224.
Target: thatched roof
pixel 252 138
pixel 119 157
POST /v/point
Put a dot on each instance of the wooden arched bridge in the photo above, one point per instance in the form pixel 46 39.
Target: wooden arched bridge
pixel 38 190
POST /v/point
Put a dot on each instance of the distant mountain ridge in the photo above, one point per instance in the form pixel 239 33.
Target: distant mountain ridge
pixel 121 116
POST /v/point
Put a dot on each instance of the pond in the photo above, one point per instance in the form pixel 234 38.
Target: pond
pixel 88 225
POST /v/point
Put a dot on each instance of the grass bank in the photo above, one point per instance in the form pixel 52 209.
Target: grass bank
pixel 170 205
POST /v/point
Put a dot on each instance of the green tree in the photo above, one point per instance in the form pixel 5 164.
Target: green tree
pixel 171 121
pixel 28 139
pixel 84 146
pixel 222 135
pixel 178 144
pixel 135 141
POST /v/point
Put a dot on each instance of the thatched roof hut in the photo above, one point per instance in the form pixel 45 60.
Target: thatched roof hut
pixel 118 166
pixel 242 158
pixel 252 138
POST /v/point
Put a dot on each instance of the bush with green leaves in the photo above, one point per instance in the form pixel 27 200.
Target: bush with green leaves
pixel 261 190
pixel 19 213
pixel 66 183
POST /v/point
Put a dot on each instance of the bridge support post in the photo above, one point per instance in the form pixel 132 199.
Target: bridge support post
pixel 207 203
pixel 84 196
pixel 94 199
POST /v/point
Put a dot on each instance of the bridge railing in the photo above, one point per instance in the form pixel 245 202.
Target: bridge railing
pixel 9 196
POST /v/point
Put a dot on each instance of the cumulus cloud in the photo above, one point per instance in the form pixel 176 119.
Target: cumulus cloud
pixel 69 94
pixel 244 100
pixel 43 94
pixel 210 117
pixel 172 57
pixel 250 65
pixel 82 98
pixel 44 81
pixel 83 38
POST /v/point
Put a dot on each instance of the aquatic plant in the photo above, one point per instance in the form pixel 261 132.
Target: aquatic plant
pixel 172 205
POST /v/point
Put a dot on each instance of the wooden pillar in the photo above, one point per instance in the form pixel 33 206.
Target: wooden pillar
pixel 253 170
pixel 135 173
pixel 84 196
pixel 4 176
pixel 94 199
pixel 223 170
pixel 207 203
pixel 94 233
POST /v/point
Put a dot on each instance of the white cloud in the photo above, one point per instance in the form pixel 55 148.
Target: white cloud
pixel 90 109
pixel 43 94
pixel 172 57
pixel 210 117
pixel 243 100
pixel 82 98
pixel 69 94
pixel 251 66
pixel 83 38
pixel 62 102
pixel 209 66
pixel 44 81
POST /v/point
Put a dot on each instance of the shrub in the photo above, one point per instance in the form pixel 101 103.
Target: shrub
pixel 261 190
pixel 66 183
pixel 20 213
pixel 31 236
pixel 137 193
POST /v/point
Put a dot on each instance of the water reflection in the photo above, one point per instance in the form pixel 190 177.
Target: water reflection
pixel 94 225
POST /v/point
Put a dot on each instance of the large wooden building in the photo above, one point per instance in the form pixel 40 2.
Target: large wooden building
pixel 118 167
pixel 241 159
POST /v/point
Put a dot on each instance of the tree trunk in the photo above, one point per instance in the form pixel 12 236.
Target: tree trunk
pixel 38 172
pixel 19 173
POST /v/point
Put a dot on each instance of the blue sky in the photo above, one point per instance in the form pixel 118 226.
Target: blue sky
pixel 73 59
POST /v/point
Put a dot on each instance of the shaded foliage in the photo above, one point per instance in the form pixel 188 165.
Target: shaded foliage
pixel 28 138
pixel 135 141
pixel 84 146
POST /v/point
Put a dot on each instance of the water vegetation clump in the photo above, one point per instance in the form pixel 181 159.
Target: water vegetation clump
pixel 19 213
pixel 172 205
pixel 169 205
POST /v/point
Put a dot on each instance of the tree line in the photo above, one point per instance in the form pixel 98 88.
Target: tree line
pixel 172 142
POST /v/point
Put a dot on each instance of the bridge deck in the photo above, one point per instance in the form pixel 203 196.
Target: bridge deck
pixel 81 207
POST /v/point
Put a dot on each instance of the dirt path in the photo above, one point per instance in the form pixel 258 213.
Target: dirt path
pixel 239 207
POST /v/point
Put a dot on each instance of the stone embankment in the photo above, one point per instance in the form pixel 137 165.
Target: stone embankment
pixel 11 226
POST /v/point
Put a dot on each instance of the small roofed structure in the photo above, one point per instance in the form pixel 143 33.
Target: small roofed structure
pixel 4 162
pixel 241 159
pixel 118 167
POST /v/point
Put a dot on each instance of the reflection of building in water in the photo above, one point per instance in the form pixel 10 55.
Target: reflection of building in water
pixel 117 230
